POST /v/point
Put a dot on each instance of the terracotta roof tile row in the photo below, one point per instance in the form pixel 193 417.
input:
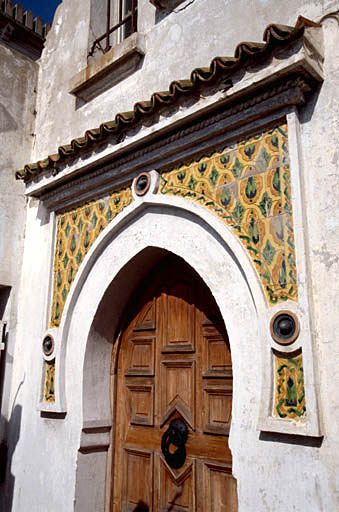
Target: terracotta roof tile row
pixel 220 67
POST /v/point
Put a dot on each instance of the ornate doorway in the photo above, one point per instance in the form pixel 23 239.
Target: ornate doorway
pixel 172 391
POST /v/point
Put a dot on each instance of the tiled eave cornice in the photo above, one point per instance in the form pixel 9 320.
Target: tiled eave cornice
pixel 221 70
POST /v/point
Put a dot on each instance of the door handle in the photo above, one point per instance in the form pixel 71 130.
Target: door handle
pixel 176 435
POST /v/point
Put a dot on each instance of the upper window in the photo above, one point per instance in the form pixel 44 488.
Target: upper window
pixel 112 21
pixel 114 44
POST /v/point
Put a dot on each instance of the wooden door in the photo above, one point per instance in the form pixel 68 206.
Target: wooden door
pixel 174 362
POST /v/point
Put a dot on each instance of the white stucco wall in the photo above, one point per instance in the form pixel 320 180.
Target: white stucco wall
pixel 177 44
pixel 18 82
pixel 272 473
pixel 319 128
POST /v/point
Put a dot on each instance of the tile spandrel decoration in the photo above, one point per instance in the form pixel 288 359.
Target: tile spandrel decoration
pixel 77 229
pixel 247 185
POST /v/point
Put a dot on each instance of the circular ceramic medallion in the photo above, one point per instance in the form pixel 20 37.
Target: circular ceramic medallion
pixel 48 345
pixel 284 327
pixel 142 183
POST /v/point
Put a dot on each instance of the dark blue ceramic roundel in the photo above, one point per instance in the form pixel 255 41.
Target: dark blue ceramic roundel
pixel 47 345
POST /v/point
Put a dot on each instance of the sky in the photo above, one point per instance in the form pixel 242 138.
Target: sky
pixel 43 8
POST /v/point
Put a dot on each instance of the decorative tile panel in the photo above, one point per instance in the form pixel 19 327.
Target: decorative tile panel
pixel 289 400
pixel 77 229
pixel 247 185
pixel 49 394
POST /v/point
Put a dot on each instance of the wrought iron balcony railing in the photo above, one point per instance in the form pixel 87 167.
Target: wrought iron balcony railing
pixel 126 23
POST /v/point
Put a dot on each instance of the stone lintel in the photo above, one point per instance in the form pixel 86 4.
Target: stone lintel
pixel 101 74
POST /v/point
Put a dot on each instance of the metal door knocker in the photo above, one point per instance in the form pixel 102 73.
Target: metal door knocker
pixel 176 435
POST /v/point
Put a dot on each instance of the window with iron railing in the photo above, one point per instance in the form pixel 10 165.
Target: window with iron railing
pixel 120 18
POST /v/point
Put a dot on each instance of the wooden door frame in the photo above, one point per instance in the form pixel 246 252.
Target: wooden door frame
pixel 143 290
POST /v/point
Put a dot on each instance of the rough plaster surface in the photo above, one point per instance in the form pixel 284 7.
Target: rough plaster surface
pixel 273 473
pixel 18 77
pixel 319 126
pixel 18 81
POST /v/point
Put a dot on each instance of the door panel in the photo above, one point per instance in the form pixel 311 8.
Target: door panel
pixel 217 407
pixel 177 389
pixel 177 489
pixel 141 402
pixel 137 462
pixel 174 363
pixel 177 320
pixel 220 488
pixel 216 360
pixel 141 355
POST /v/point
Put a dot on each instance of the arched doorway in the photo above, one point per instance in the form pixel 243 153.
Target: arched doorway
pixel 172 370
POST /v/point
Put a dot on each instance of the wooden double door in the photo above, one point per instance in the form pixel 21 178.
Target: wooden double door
pixel 174 362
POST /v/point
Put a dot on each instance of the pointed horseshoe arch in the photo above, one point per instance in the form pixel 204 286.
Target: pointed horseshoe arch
pixel 147 231
pixel 192 250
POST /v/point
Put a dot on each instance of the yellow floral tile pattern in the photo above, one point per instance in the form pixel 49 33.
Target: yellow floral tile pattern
pixel 289 402
pixel 247 185
pixel 49 395
pixel 77 229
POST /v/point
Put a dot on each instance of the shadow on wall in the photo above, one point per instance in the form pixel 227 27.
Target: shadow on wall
pixel 10 439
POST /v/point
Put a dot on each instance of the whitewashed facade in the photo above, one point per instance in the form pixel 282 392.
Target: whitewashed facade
pixel 60 445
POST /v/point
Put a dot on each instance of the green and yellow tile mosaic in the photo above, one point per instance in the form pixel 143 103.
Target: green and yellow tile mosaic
pixel 247 185
pixel 49 394
pixel 289 400
pixel 77 229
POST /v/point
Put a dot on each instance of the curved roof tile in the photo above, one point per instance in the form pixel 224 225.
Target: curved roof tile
pixel 220 67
